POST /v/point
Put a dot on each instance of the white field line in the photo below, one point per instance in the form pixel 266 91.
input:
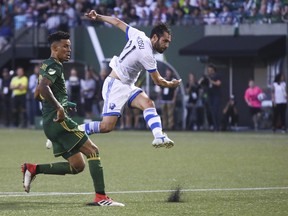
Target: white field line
pixel 33 194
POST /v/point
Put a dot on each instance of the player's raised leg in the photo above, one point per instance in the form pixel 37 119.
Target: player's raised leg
pixel 153 120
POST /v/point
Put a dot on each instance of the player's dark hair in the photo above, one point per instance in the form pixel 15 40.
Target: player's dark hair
pixel 160 29
pixel 57 36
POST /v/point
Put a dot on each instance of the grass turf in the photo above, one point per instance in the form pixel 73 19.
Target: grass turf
pixel 198 161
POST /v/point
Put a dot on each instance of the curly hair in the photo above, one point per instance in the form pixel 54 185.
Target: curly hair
pixel 57 36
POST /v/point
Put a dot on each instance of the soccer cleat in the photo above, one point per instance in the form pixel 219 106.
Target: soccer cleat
pixel 29 174
pixel 104 200
pixel 163 141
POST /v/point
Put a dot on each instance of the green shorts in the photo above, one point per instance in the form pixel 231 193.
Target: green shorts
pixel 65 136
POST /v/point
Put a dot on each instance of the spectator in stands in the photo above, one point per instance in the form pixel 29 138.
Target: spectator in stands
pixel 71 14
pixel 187 10
pixel 277 6
pixel 230 115
pixel 56 19
pixel 33 105
pixel 5 95
pixel 252 100
pixel 20 19
pixel 168 100
pixel 73 85
pixel 19 86
pixel 284 13
pixel 209 17
pixel 262 16
pixel 132 17
pixel 6 33
pixel 196 18
pixel 239 15
pixel 192 106
pixel 279 100
pixel 88 87
pixel 276 15
pixel 214 95
pixel 142 9
pixel 225 17
pixel 211 82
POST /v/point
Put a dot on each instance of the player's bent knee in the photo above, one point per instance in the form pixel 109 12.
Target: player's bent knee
pixel 77 168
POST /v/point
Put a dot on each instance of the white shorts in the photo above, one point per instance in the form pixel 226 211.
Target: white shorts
pixel 116 95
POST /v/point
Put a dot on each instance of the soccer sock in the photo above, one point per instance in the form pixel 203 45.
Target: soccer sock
pixel 96 172
pixel 60 168
pixel 91 127
pixel 153 120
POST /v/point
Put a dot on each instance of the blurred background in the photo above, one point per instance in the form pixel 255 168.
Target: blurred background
pixel 239 39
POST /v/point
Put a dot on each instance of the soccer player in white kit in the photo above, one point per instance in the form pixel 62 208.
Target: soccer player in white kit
pixel 119 87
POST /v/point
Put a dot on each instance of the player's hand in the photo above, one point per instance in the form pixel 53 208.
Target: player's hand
pixel 92 15
pixel 60 115
pixel 72 109
pixel 175 83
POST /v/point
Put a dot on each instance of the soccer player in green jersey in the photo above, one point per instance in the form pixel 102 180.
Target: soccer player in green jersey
pixel 68 141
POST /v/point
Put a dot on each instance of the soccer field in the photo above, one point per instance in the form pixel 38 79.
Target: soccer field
pixel 219 173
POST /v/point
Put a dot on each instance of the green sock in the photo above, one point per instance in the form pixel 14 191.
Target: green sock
pixel 96 171
pixel 60 168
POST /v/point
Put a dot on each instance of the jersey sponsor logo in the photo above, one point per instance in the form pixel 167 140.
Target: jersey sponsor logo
pixel 51 71
pixel 140 43
pixel 112 106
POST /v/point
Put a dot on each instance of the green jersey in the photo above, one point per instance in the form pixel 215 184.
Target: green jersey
pixel 53 70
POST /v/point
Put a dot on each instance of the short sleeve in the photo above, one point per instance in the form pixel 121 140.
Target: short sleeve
pixel 51 73
pixel 149 63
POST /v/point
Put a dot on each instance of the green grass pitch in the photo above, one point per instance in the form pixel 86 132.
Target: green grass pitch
pixel 221 174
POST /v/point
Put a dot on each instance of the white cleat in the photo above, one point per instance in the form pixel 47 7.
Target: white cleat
pixel 163 141
pixel 29 174
pixel 104 200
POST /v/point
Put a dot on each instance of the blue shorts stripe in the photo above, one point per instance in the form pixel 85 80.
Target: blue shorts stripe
pixel 110 84
pixel 112 114
pixel 133 97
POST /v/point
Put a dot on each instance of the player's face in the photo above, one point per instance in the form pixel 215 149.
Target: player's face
pixel 63 50
pixel 162 43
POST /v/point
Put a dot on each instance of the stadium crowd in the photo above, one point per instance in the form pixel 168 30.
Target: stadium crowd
pixel 70 13
pixel 65 14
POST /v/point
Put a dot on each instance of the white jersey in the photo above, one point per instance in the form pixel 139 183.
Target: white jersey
pixel 280 92
pixel 136 56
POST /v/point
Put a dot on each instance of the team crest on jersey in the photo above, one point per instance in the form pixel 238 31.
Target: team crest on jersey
pixel 51 71
pixel 112 106
pixel 44 66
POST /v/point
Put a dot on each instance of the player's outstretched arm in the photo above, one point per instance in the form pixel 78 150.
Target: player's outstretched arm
pixel 111 20
pixel 160 81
